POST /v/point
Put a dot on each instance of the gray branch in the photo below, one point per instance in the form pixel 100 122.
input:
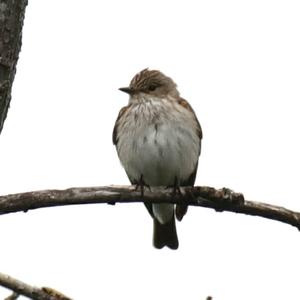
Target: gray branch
pixel 219 200
pixel 13 296
pixel 11 23
pixel 21 288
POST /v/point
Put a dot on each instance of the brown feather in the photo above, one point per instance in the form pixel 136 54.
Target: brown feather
pixel 115 131
pixel 182 102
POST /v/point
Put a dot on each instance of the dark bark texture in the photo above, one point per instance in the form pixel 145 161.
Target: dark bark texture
pixel 11 23
pixel 218 199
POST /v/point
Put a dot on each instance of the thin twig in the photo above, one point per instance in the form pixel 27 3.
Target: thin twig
pixel 218 199
pixel 21 288
pixel 13 296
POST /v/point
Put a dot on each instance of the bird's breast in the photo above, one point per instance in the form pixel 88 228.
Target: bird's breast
pixel 159 144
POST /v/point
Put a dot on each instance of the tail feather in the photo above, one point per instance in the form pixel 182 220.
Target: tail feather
pixel 165 234
pixel 180 211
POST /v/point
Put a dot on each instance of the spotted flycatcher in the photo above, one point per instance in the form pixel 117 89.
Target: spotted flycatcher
pixel 158 140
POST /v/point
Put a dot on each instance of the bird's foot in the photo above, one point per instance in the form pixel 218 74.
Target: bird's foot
pixel 141 184
pixel 175 188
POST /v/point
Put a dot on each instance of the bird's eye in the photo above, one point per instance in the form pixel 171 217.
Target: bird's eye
pixel 152 87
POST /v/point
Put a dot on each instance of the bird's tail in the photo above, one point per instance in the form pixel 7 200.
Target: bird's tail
pixel 165 234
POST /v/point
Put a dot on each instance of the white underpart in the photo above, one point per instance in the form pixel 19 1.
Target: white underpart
pixel 160 143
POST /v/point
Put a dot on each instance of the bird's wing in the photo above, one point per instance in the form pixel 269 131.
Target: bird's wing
pixel 115 131
pixel 182 102
pixel 181 209
pixel 191 180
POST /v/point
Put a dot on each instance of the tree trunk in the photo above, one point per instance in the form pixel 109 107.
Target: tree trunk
pixel 11 22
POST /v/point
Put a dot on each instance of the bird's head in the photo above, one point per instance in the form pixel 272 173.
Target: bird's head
pixel 152 83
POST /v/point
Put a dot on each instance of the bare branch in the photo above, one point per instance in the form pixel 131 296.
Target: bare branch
pixel 13 296
pixel 220 200
pixel 21 288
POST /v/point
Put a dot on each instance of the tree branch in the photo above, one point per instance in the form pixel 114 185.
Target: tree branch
pixel 21 288
pixel 13 296
pixel 220 200
pixel 11 23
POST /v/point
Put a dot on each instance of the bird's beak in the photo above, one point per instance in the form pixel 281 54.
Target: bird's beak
pixel 127 90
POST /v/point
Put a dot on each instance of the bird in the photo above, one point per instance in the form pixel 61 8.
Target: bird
pixel 158 142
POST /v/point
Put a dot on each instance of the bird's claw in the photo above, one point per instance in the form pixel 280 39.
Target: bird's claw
pixel 175 188
pixel 141 184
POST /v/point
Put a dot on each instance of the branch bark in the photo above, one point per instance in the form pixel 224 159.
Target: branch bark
pixel 21 288
pixel 13 296
pixel 217 199
pixel 11 22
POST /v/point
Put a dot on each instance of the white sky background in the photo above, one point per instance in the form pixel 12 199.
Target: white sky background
pixel 238 64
